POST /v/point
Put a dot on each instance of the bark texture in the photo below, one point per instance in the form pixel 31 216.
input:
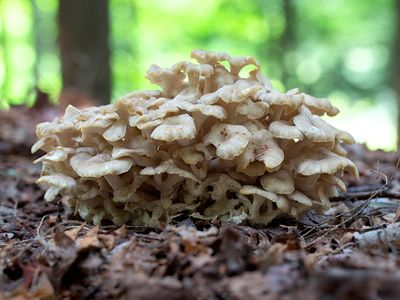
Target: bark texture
pixel 84 49
pixel 288 37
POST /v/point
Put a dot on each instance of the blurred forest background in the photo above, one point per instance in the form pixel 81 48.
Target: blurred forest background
pixel 346 50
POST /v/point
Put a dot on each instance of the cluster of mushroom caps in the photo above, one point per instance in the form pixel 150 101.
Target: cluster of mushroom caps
pixel 211 143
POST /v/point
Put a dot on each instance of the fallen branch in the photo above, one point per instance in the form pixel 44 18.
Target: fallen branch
pixel 379 237
pixel 366 195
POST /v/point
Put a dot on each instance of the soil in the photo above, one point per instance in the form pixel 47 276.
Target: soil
pixel 350 252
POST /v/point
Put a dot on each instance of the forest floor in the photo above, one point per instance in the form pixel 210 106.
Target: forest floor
pixel 351 252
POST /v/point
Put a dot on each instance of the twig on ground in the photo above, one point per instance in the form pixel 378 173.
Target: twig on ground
pixel 357 210
pixel 378 237
pixel 365 195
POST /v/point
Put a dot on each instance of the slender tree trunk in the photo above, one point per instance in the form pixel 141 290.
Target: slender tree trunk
pixel 84 49
pixel 275 49
pixel 288 37
pixel 396 66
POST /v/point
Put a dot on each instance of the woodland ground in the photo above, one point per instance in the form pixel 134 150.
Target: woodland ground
pixel 351 252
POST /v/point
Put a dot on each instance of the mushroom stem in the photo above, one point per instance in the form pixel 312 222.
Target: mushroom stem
pixel 277 114
pixel 114 181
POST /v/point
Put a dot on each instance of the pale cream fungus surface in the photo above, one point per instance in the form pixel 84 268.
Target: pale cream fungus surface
pixel 209 144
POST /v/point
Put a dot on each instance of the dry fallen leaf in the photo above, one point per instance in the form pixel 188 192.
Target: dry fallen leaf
pixel 74 232
pixel 107 240
pixel 90 239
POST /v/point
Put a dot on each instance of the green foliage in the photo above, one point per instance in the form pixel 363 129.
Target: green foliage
pixel 28 54
pixel 336 47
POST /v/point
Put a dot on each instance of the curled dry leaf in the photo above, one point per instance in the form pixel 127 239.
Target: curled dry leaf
pixel 210 143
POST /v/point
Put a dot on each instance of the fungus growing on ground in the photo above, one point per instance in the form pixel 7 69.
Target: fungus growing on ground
pixel 211 143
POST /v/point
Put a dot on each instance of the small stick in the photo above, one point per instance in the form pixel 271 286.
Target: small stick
pixel 366 195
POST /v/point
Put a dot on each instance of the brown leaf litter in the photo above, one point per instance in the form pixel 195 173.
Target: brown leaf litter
pixel 351 252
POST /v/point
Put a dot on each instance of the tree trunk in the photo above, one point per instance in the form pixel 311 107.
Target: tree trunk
pixel 85 54
pixel 396 66
pixel 288 37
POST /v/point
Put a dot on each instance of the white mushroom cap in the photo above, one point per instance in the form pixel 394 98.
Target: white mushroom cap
pixel 165 108
pixel 275 98
pixel 238 92
pixel 169 168
pixel 230 140
pixel 50 128
pixel 252 110
pixel 238 63
pixel 45 143
pixel 254 126
pixel 115 132
pixel 149 124
pixel 175 128
pixel 280 182
pixel 254 168
pixel 57 183
pixel 262 147
pixel 144 94
pixel 306 183
pixel 72 113
pixel 211 58
pixel 346 137
pixel 313 127
pixel 193 72
pixel 207 57
pixel 56 155
pixel 282 130
pixel 221 78
pixel 190 155
pixel 138 145
pixel 169 80
pixel 319 106
pixel 207 110
pixel 333 180
pixel 322 161
pixel 300 198
pixel 58 180
pixel 87 166
pixel 262 79
pixel 96 125
pixel 122 152
pixel 252 190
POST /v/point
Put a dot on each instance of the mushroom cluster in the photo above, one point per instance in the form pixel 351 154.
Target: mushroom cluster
pixel 212 142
